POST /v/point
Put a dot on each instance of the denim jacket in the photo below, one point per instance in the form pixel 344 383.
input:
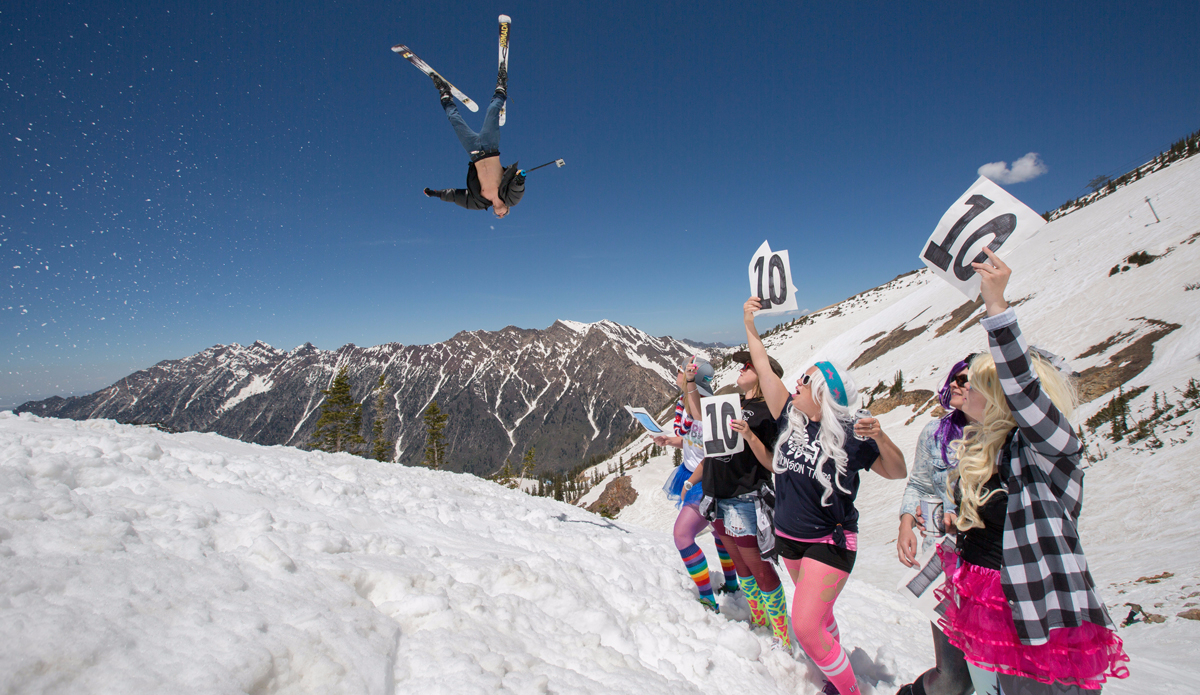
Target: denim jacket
pixel 929 473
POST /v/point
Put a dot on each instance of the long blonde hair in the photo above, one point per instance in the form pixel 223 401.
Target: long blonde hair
pixel 978 449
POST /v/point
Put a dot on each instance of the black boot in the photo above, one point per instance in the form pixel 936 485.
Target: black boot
pixel 502 82
pixel 432 193
pixel 443 90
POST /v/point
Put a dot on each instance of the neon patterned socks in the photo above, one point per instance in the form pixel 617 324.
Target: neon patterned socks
pixel 731 578
pixel 697 567
pixel 754 599
pixel 776 604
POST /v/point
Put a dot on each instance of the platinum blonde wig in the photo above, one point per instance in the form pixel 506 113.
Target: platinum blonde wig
pixel 832 435
pixel 979 449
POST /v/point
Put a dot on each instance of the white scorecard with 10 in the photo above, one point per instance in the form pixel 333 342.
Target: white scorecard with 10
pixel 771 281
pixel 720 439
pixel 986 215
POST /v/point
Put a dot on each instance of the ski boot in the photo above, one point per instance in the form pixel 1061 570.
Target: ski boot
pixel 710 604
pixel 502 82
pixel 443 90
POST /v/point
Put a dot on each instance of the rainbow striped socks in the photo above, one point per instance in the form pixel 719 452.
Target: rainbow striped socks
pixel 697 567
pixel 731 578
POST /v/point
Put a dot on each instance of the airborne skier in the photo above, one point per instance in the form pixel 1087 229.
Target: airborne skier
pixel 489 183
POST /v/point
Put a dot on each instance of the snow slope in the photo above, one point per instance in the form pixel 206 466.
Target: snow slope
pixel 133 560
pixel 1140 514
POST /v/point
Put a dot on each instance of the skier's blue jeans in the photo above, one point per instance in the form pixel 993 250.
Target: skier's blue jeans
pixel 485 143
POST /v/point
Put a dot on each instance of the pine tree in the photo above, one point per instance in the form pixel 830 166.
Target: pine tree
pixel 435 436
pixel 1120 409
pixel 505 475
pixel 340 425
pixel 677 457
pixel 528 465
pixel 382 448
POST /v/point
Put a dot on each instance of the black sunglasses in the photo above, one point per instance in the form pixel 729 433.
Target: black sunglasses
pixel 962 380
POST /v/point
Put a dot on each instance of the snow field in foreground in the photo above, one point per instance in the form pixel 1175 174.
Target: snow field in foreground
pixel 137 561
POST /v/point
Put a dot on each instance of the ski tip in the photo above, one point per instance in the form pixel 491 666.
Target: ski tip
pixel 505 19
pixel 399 48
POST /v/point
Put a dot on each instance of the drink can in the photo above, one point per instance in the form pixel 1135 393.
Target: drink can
pixel 858 415
pixel 931 510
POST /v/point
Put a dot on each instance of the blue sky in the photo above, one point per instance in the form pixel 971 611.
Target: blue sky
pixel 173 178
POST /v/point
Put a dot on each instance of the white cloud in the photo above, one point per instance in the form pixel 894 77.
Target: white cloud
pixel 1028 167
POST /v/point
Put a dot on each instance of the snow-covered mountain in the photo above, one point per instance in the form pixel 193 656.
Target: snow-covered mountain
pixel 560 390
pixel 1118 295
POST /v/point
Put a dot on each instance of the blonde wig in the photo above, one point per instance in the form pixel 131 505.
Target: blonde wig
pixel 980 446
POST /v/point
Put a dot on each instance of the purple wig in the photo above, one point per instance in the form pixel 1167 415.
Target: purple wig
pixel 952 423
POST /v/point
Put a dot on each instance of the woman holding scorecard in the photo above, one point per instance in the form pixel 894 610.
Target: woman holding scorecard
pixel 816 462
pixel 732 484
pixel 1021 602
pixel 694 379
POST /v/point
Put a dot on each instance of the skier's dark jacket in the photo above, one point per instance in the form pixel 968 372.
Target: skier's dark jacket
pixel 512 187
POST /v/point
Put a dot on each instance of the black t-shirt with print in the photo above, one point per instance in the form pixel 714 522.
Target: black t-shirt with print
pixel 798 510
pixel 729 476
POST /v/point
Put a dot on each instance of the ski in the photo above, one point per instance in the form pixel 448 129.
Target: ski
pixel 505 22
pixel 421 65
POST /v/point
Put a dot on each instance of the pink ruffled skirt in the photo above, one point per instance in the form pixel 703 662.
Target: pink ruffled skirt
pixel 979 621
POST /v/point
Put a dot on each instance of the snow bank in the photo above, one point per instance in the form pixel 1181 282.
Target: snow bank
pixel 133 560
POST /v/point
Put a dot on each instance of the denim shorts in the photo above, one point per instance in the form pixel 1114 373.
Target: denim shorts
pixel 738 515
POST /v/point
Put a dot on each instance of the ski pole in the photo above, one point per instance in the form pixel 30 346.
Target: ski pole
pixel 557 161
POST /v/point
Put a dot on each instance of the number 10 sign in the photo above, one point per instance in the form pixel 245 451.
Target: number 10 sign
pixel 771 281
pixel 986 215
pixel 720 439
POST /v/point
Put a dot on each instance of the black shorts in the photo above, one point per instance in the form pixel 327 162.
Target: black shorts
pixel 825 553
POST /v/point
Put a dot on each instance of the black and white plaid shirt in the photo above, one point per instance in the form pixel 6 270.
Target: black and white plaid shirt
pixel 1045 575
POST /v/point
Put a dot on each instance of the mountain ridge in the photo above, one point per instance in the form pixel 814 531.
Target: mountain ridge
pixel 559 389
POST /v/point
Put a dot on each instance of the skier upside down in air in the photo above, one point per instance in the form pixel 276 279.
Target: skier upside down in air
pixel 489 183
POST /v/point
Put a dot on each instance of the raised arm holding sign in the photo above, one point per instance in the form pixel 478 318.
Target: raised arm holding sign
pixel 771 281
pixel 985 216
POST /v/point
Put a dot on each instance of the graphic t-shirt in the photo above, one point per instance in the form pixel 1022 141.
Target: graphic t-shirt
pixel 693 444
pixel 798 510
pixel 729 476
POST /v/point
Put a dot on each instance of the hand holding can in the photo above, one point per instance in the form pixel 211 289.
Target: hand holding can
pixel 931 511
pixel 859 415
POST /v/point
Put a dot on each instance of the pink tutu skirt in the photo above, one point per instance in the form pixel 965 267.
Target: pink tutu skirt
pixel 979 621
